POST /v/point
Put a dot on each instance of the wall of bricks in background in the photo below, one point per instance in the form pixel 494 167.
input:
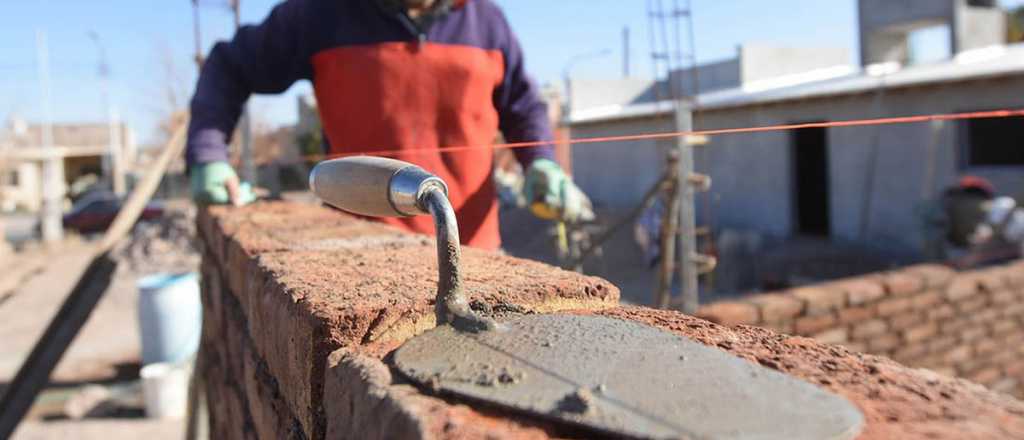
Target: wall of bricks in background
pixel 302 305
pixel 968 324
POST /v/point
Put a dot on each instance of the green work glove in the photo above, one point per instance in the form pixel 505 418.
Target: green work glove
pixel 215 183
pixel 551 195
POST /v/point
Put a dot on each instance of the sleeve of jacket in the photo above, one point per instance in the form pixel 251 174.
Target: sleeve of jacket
pixel 265 58
pixel 523 114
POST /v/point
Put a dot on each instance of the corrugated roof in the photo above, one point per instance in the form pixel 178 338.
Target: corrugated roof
pixel 975 64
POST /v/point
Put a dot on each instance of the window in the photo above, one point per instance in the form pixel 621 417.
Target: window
pixel 994 142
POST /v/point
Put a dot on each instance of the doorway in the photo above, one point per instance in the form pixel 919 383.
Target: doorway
pixel 811 181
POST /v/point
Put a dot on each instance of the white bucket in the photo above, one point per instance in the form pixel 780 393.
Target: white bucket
pixel 165 390
pixel 170 317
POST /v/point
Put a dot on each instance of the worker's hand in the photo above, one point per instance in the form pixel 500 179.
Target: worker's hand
pixel 216 183
pixel 551 194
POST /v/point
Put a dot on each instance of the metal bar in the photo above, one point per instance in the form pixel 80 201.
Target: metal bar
pixel 669 231
pixel 451 306
pixel 34 374
pixel 648 199
pixel 687 213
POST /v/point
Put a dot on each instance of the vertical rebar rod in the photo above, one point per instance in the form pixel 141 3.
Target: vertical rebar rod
pixel 687 214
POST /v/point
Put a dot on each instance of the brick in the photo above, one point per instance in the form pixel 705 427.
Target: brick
pixel 834 336
pixel 971 305
pixel 1015 368
pixel 730 313
pixel 986 376
pixel 1005 385
pixel 778 307
pixel 820 300
pixel 893 306
pixel 856 347
pixel 810 325
pixel 973 333
pixel 932 275
pixel 962 287
pixel 926 300
pixel 784 327
pixel 869 329
pixel 856 314
pixel 1003 326
pixel 884 343
pixel 958 354
pixel 985 316
pixel 942 343
pixel 901 322
pixel 901 283
pixel 1003 297
pixel 986 346
pixel 861 290
pixel 941 312
pixel 909 354
pixel 921 332
pixel 992 279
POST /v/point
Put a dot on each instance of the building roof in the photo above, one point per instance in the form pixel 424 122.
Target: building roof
pixel 840 80
pixel 19 134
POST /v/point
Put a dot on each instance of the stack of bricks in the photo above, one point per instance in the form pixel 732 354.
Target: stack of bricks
pixel 968 324
pixel 303 305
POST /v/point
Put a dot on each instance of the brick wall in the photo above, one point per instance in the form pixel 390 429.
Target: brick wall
pixel 967 324
pixel 302 305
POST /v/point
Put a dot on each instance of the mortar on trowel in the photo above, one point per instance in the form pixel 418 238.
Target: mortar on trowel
pixel 607 376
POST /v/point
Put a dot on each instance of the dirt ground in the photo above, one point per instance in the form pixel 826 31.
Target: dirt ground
pixel 106 352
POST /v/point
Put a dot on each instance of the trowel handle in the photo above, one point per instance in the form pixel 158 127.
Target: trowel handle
pixel 374 186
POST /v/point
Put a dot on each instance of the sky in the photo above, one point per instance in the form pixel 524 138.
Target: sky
pixel 140 38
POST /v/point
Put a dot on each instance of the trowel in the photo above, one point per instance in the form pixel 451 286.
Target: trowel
pixel 604 376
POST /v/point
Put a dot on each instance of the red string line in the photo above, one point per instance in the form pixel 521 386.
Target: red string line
pixel 666 135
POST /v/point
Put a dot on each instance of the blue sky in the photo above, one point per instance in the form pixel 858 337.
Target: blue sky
pixel 139 36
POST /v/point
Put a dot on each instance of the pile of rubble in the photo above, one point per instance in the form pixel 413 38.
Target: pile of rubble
pixel 165 245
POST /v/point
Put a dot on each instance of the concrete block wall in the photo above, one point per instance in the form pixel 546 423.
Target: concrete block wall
pixel 967 324
pixel 302 306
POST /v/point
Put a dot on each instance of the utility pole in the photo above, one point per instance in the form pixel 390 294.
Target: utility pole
pixel 196 34
pixel 113 163
pixel 625 52
pixel 53 164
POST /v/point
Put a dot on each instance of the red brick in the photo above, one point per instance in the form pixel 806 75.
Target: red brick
pixel 810 325
pixel 893 306
pixel 921 332
pixel 942 312
pixel 884 343
pixel 869 329
pixel 834 336
pixel 926 300
pixel 909 354
pixel 901 283
pixel 730 313
pixel 962 287
pixel 942 343
pixel 1013 310
pixel 1003 297
pixel 986 376
pixel 861 290
pixel 1003 326
pixel 931 274
pixel 856 347
pixel 973 333
pixel 986 316
pixel 1015 369
pixel 991 279
pixel 778 307
pixel 986 346
pixel 901 322
pixel 958 354
pixel 856 314
pixel 820 300
pixel 956 326
pixel 784 327
pixel 971 305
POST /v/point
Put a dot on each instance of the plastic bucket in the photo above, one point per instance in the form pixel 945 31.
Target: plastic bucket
pixel 170 317
pixel 165 390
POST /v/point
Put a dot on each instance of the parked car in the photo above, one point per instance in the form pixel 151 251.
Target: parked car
pixel 95 211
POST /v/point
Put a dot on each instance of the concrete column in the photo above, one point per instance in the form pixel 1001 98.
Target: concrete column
pixel 50 220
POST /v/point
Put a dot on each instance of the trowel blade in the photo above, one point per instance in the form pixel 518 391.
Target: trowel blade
pixel 623 378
